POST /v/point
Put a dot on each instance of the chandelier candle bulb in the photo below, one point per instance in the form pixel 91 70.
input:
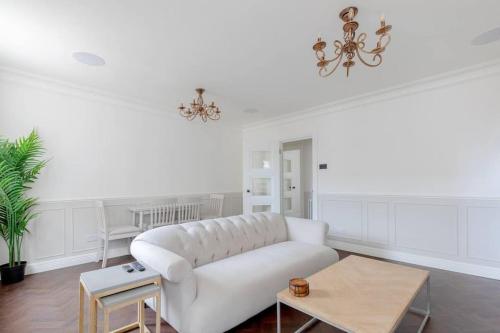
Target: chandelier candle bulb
pixel 382 20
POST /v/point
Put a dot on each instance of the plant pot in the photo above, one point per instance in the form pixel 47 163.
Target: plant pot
pixel 12 274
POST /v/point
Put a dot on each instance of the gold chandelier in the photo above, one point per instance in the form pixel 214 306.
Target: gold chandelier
pixel 352 47
pixel 199 108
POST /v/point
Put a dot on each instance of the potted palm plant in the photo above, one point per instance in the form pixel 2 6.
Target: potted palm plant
pixel 20 165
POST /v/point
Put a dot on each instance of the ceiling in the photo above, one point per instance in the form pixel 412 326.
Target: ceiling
pixel 252 54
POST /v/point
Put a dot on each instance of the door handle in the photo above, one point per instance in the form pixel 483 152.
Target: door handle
pixel 248 191
pixel 293 187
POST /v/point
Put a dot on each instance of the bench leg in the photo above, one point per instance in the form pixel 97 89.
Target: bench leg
pixel 158 313
pixel 81 314
pixel 141 316
pixel 106 321
pixel 92 315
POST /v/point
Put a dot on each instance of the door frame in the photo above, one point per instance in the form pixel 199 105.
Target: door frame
pixel 314 162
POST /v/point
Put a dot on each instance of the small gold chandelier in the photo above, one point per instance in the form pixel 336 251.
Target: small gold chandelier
pixel 352 47
pixel 199 108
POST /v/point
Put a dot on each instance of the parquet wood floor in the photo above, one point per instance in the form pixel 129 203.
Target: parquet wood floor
pixel 48 302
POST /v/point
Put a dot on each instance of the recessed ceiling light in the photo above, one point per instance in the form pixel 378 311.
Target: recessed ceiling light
pixel 251 110
pixel 487 37
pixel 88 58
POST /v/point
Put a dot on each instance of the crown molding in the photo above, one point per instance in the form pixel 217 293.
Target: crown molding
pixel 46 83
pixel 50 84
pixel 411 88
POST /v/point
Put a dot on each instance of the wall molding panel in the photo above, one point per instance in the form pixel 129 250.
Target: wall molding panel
pixel 453 233
pixel 64 233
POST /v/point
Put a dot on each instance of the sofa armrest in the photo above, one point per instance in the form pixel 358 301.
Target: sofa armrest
pixel 307 231
pixel 171 266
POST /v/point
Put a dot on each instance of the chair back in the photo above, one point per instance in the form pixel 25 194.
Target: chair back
pixel 188 212
pixel 102 224
pixel 215 204
pixel 162 215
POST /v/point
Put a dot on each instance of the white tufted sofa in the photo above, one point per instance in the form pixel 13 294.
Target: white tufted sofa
pixel 218 273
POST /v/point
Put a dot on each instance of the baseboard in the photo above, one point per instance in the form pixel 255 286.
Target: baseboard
pixel 48 265
pixel 446 264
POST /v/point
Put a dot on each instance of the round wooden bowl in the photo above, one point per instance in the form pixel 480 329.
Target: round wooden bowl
pixel 298 287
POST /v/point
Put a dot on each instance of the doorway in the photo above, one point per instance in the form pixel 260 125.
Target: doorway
pixel 297 178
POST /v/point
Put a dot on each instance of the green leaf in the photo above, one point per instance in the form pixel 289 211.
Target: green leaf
pixel 20 165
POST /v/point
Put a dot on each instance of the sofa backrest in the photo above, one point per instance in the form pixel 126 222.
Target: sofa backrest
pixel 206 241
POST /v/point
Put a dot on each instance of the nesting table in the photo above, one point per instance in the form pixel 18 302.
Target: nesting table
pixel 109 281
pixel 361 295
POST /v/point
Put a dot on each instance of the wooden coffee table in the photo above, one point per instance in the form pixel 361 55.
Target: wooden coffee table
pixel 360 295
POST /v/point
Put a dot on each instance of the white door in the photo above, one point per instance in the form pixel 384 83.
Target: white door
pixel 292 198
pixel 259 175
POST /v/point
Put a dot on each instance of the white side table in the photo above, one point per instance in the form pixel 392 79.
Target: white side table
pixel 112 280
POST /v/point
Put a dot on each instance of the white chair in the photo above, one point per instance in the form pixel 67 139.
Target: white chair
pixel 215 203
pixel 107 233
pixel 188 212
pixel 162 215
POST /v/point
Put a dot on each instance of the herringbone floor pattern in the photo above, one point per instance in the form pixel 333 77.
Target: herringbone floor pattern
pixel 48 302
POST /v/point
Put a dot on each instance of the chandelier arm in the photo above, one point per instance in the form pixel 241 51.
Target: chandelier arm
pixel 322 70
pixel 387 42
pixel 211 110
pixel 338 47
pixel 361 43
pixel 185 112
pixel 320 55
pixel 377 58
pixel 215 116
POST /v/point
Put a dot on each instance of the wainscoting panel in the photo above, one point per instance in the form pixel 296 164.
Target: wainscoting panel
pixel 432 228
pixel 459 234
pixel 483 233
pixel 48 234
pixel 84 233
pixel 344 217
pixel 65 232
pixel 377 220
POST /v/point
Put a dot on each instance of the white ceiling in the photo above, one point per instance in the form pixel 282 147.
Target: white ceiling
pixel 247 54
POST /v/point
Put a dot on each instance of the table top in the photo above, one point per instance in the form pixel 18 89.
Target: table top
pixel 111 278
pixel 359 294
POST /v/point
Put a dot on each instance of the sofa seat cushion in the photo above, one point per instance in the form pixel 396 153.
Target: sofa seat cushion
pixel 233 289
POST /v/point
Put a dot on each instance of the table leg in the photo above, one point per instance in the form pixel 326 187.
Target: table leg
pixel 278 318
pixel 92 314
pixel 427 312
pixel 81 314
pixel 158 313
pixel 141 218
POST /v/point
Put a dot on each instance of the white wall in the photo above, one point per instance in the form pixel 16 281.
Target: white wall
pixel 438 138
pixel 102 147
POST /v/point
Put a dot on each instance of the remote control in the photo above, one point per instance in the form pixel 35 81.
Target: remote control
pixel 128 268
pixel 138 266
